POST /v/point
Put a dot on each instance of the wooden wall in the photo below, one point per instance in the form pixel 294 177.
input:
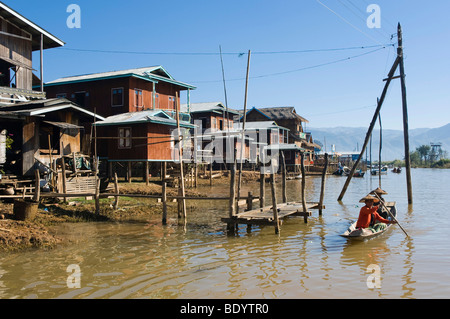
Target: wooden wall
pixel 17 49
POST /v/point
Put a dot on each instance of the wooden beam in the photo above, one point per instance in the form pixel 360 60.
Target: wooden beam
pixel 369 131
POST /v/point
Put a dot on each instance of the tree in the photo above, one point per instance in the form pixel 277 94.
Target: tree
pixel 424 152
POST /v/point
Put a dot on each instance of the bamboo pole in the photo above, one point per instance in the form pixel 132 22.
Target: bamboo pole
pixel 232 199
pixel 147 181
pixel 369 131
pixel 322 187
pixel 243 128
pixel 405 114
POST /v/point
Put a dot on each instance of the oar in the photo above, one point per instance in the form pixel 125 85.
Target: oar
pixel 389 212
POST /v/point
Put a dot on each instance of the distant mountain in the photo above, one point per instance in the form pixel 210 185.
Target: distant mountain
pixel 351 139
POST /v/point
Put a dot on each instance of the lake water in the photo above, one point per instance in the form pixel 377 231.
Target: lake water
pixel 198 259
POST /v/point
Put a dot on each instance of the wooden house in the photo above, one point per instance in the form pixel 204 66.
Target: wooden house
pixel 43 130
pixel 145 136
pixel 19 38
pixel 212 116
pixel 125 91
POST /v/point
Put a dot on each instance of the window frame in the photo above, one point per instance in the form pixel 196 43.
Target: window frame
pixel 124 139
pixel 112 96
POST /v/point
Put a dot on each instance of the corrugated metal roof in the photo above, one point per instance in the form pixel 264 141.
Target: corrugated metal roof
pixel 207 107
pixel 50 41
pixel 151 73
pixel 259 125
pixel 276 113
pixel 147 116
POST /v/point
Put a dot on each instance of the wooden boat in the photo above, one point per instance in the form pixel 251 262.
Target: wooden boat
pixel 362 234
pixel 397 170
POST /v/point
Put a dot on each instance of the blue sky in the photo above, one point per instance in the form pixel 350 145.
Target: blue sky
pixel 326 92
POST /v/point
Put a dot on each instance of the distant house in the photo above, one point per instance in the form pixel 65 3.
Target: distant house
pixel 19 38
pixel 144 136
pixel 284 116
pixel 42 130
pixel 212 115
pixel 124 91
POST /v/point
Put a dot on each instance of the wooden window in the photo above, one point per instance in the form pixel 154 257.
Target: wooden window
pixel 124 137
pixel 171 105
pixel 138 98
pixel 117 97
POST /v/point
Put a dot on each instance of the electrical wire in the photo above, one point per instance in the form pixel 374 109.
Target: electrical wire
pixel 297 70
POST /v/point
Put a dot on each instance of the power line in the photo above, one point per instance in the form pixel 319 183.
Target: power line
pixel 297 70
pixel 224 53
pixel 348 22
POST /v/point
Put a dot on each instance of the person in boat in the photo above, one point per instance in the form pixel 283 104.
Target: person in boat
pixel 368 215
pixel 381 210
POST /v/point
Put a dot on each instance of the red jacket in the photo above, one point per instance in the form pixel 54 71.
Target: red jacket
pixel 365 219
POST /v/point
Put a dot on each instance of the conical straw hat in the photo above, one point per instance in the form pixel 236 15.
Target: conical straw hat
pixel 379 191
pixel 369 197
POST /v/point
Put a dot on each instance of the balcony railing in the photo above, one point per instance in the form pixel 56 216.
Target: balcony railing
pixel 8 94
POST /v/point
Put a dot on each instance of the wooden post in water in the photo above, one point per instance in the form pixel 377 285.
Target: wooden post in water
pixel 322 187
pixel 147 172
pixel 283 178
pixel 180 152
pixel 369 131
pixel 302 158
pixel 164 202
pixel 405 114
pixel 64 178
pixel 274 202
pixel 249 207
pixel 232 202
pixel 262 183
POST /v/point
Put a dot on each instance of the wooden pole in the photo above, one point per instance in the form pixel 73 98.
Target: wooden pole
pixel 379 152
pixel 274 203
pixel 302 158
pixel 283 178
pixel 232 202
pixel 97 196
pixel 322 187
pixel 116 190
pixel 180 152
pixel 41 69
pixel 64 178
pixel 37 186
pixel 164 201
pixel 405 114
pixel 249 207
pixel 262 186
pixel 243 128
pixel 147 172
pixel 369 131
pixel 129 172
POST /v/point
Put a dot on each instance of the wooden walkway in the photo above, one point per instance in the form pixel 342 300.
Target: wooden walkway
pixel 264 216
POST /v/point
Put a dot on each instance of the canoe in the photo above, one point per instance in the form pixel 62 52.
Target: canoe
pixel 362 234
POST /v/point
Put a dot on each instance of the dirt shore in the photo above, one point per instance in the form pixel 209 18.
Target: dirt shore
pixel 37 233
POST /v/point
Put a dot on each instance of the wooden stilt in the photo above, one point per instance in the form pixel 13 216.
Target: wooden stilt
pixel 232 202
pixel 116 190
pixel 147 172
pixel 322 187
pixel 37 186
pixel 164 202
pixel 129 172
pixel 283 178
pixel 302 158
pixel 274 203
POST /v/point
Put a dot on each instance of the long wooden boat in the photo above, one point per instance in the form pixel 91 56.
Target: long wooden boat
pixel 362 234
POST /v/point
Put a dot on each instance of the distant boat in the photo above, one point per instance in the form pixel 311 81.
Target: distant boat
pixel 375 171
pixel 357 173
pixel 397 170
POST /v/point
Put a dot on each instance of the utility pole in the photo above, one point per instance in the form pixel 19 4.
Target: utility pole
pixel 405 114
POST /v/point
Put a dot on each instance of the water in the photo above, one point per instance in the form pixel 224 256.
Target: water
pixel 143 259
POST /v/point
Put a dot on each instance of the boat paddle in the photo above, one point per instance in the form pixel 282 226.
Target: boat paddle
pixel 389 212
